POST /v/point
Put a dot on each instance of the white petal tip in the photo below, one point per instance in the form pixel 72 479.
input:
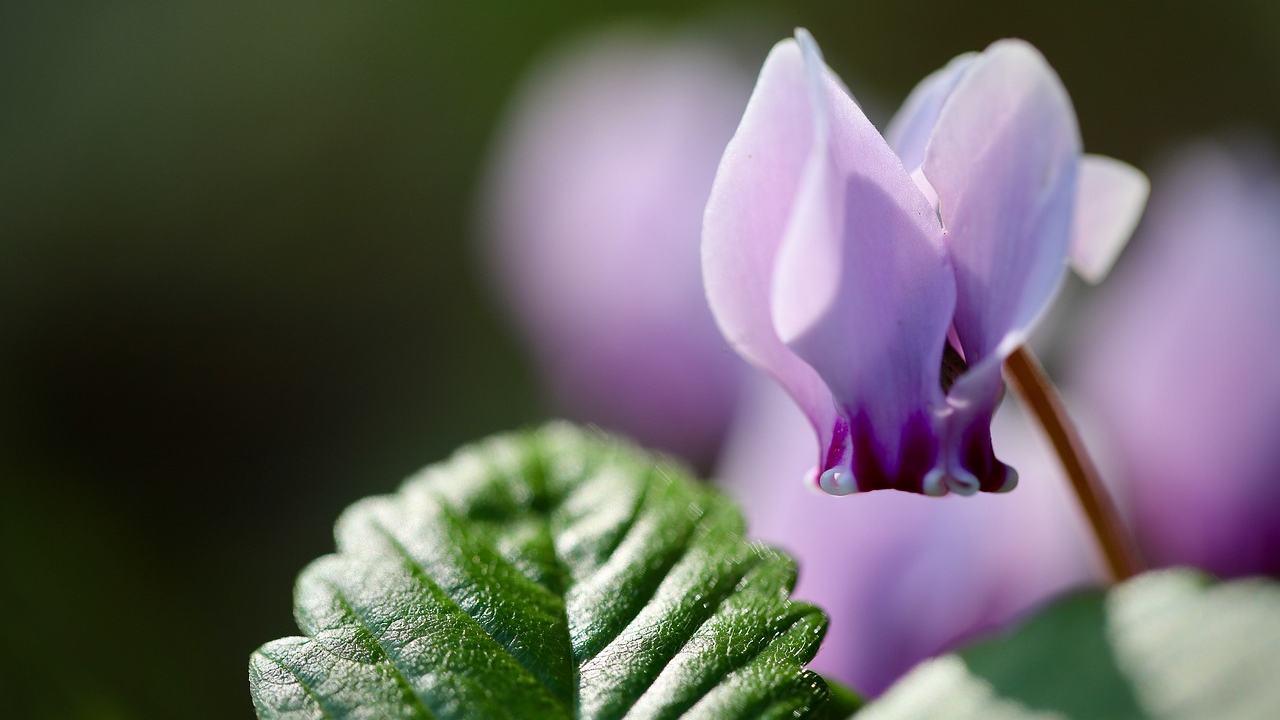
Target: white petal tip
pixel 934 484
pixel 838 481
pixel 805 38
pixel 1015 46
pixel 964 483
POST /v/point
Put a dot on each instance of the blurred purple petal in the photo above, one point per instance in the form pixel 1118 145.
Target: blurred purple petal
pixel 904 577
pixel 1003 160
pixel 595 204
pixel 1110 199
pixel 1180 364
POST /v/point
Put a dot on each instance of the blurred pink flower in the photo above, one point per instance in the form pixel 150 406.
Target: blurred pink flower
pixel 594 211
pixel 1180 364
pixel 845 264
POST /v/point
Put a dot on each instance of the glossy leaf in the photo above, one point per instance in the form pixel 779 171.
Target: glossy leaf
pixel 1165 645
pixel 551 574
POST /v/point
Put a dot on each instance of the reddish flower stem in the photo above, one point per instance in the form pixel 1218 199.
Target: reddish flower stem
pixel 1032 384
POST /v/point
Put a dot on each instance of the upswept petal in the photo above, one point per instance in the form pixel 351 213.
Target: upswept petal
pixel 746 219
pixel 1003 161
pixel 912 126
pixel 863 292
pixel 1109 202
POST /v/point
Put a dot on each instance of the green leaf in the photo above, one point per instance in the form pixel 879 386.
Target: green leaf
pixel 845 701
pixel 1168 644
pixel 552 574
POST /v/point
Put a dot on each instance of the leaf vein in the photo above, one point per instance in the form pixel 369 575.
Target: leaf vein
pixel 650 589
pixel 306 686
pixel 419 702
pixel 733 588
pixel 750 658
pixel 420 572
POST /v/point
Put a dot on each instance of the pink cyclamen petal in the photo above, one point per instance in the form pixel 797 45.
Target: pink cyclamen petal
pixel 815 234
pixel 1003 160
pixel 863 259
pixel 1109 202
pixel 910 129
pixel 746 219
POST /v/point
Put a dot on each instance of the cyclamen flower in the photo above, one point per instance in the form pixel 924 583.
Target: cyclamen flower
pixel 844 263
pixel 594 212
pixel 1175 368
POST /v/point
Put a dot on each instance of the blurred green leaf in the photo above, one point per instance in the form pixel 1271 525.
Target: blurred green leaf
pixel 552 574
pixel 1169 644
pixel 845 701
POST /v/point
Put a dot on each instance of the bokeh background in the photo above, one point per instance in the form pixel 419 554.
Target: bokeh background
pixel 240 285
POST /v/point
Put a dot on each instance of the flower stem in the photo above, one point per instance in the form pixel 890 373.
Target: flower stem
pixel 1038 394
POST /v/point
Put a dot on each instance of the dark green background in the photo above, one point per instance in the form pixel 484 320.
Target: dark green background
pixel 238 288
